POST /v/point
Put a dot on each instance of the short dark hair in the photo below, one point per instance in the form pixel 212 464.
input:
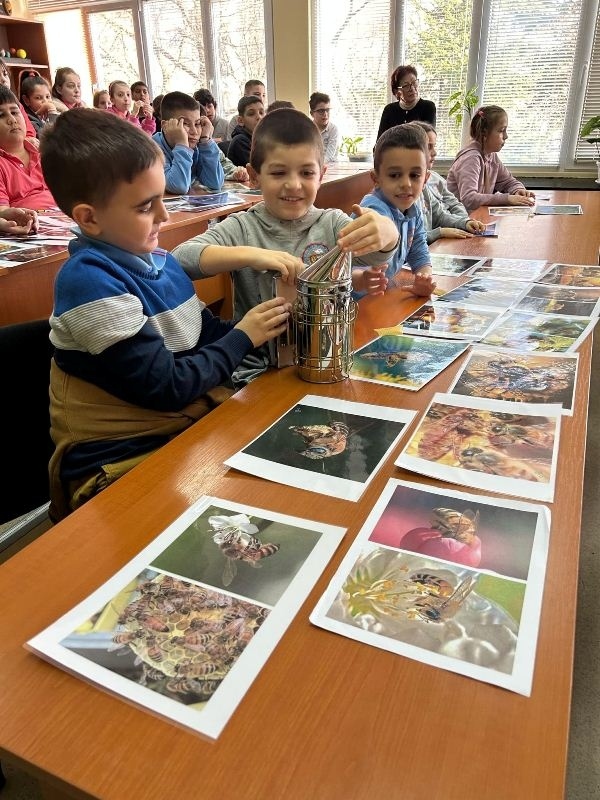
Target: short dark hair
pixel 409 136
pixel 205 98
pixel 277 104
pixel 135 85
pixel 252 82
pixel 286 126
pixel 427 126
pixel 246 101
pixel 484 120
pixel 316 98
pixel 28 84
pixel 175 102
pixel 399 74
pixel 87 153
pixel 7 96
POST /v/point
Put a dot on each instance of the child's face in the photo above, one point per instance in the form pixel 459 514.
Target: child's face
pixel 494 141
pixel 133 215
pixel 252 116
pixel 320 114
pixel 401 176
pixel 289 180
pixel 103 100
pixel 12 127
pixel 39 96
pixel 70 91
pixel 259 91
pixel 211 111
pixel 141 93
pixel 121 98
pixel 431 142
pixel 192 124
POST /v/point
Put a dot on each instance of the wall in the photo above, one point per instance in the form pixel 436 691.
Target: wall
pixel 291 52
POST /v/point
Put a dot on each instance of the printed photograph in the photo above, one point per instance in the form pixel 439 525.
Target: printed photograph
pixel 452 527
pixel 519 377
pixel 558 209
pixel 483 291
pixel 30 253
pixel 450 322
pixel 452 265
pixel 510 211
pixel 543 333
pixel 520 269
pixel 572 275
pixel 573 301
pixel 407 362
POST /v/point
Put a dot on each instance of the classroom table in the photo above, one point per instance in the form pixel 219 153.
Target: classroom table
pixel 326 717
pixel 26 290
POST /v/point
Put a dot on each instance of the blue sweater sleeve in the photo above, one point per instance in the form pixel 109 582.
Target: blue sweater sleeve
pixel 142 371
pixel 207 166
pixel 178 172
pixel 418 253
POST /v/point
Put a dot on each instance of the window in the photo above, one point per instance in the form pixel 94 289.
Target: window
pixel 524 56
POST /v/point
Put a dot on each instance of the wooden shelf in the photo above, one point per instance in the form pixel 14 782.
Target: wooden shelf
pixel 31 37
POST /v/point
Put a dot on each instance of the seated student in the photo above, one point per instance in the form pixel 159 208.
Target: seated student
pixel 138 356
pixel 37 102
pixel 5 81
pixel 21 181
pixel 156 109
pixel 439 222
pixel 209 104
pixel 186 141
pixel 251 87
pixel 101 99
pixel 285 233
pixel 66 89
pixel 477 176
pixel 250 113
pixel 320 108
pixel 399 173
pixel 120 99
pixel 141 100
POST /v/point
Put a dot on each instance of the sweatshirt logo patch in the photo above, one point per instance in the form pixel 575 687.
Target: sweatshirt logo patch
pixel 313 252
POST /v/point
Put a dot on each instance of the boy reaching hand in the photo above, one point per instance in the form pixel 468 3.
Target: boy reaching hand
pixel 137 354
pixel 187 145
pixel 286 233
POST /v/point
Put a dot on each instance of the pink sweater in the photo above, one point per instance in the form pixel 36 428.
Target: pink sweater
pixel 147 124
pixel 480 180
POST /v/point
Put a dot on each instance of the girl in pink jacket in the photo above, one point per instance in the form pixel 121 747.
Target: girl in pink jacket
pixel 120 97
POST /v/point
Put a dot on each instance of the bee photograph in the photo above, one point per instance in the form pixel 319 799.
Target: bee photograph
pixel 407 362
pixel 520 269
pixel 451 265
pixel 550 299
pixel 450 322
pixel 466 529
pixel 485 291
pixel 488 444
pixel 572 275
pixel 325 445
pixel 544 333
pixel 519 377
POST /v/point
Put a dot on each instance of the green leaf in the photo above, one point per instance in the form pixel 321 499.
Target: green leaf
pixel 591 125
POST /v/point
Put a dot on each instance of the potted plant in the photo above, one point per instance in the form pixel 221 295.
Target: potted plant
pixel 591 133
pixel 349 147
pixel 461 106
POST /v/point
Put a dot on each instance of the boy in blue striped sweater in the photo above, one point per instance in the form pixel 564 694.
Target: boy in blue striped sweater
pixel 138 356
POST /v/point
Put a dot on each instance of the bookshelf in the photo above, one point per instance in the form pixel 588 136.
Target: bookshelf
pixel 29 35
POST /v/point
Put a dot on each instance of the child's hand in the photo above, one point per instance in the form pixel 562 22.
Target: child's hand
pixel 241 174
pixel 525 193
pixel 370 232
pixel 47 107
pixel 371 280
pixel 475 226
pixel 18 221
pixel 145 109
pixel 289 267
pixel 174 131
pixel 33 140
pixel 265 321
pixel 455 233
pixel 520 200
pixel 207 127
pixel 424 283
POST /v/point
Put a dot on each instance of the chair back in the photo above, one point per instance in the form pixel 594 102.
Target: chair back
pixel 25 353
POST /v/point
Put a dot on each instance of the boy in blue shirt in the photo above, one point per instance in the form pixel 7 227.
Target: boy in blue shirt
pixel 186 141
pixel 138 357
pixel 286 233
pixel 399 173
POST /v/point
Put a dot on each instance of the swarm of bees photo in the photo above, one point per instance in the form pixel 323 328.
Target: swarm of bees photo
pixel 186 638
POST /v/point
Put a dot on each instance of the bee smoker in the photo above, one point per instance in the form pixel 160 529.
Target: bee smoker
pixel 323 316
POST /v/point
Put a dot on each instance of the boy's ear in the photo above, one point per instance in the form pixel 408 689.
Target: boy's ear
pixel 85 216
pixel 373 175
pixel 254 176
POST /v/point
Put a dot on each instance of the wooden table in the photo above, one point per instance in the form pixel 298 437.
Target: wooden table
pixel 26 290
pixel 327 717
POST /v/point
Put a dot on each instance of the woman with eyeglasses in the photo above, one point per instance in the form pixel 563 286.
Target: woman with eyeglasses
pixel 410 107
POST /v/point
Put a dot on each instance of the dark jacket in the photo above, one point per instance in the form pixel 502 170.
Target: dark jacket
pixel 239 147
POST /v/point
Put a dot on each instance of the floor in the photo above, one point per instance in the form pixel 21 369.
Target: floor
pixel 583 776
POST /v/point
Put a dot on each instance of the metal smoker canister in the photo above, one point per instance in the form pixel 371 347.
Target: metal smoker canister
pixel 324 314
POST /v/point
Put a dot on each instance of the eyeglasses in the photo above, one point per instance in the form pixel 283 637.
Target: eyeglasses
pixel 406 86
pixel 321 111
